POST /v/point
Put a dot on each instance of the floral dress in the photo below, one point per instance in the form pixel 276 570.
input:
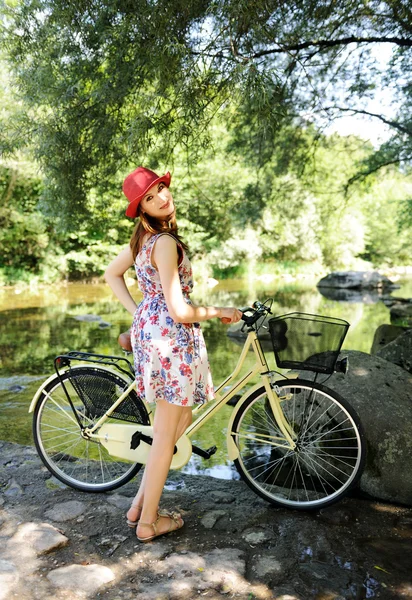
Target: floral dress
pixel 170 358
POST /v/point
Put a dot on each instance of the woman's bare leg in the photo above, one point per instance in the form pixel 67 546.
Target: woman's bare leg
pixel 165 429
pixel 184 422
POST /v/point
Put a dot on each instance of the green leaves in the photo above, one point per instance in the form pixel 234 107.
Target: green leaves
pixel 110 84
pixel 230 95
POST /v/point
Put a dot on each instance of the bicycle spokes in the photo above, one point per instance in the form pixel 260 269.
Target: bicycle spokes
pixel 70 404
pixel 325 460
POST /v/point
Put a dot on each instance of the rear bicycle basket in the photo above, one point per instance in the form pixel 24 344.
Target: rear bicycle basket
pixel 99 390
pixel 307 342
pixel 98 381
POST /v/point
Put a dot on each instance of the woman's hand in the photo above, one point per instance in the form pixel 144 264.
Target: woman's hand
pixel 230 315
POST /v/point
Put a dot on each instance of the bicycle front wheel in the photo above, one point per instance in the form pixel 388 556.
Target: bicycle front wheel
pixel 330 449
pixel 84 464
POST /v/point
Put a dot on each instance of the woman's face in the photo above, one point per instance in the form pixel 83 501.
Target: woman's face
pixel 158 202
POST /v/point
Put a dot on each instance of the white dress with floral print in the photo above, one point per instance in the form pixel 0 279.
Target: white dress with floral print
pixel 170 358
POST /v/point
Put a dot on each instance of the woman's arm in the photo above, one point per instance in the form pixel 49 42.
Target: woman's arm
pixel 165 258
pixel 114 275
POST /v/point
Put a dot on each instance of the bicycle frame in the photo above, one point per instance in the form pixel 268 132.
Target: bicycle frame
pixel 117 437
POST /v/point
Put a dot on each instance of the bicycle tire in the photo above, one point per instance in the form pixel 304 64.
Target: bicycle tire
pixel 80 463
pixel 330 452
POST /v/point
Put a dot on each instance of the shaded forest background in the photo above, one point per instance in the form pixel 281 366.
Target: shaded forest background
pixel 233 98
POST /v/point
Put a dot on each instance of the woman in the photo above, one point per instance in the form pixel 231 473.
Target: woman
pixel 170 356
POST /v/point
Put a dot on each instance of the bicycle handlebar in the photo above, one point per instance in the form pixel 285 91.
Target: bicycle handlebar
pixel 258 310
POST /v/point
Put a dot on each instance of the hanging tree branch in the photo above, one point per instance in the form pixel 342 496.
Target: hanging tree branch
pixel 363 174
pixel 394 124
pixel 321 44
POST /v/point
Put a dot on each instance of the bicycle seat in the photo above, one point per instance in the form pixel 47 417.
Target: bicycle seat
pixel 125 341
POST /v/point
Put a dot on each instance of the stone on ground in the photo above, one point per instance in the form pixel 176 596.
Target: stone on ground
pixel 87 578
pixel 189 573
pixel 211 518
pixel 221 497
pixel 257 535
pixel 41 537
pixel 269 567
pixel 119 501
pixel 8 578
pixel 13 489
pixel 66 511
pixel 225 566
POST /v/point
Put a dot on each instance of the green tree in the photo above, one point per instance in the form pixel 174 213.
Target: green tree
pixel 386 245
pixel 109 84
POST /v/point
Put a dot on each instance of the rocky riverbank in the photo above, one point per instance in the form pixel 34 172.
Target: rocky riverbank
pixel 59 544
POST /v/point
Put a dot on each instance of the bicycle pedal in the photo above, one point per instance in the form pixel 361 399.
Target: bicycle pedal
pixel 138 437
pixel 211 451
pixel 204 453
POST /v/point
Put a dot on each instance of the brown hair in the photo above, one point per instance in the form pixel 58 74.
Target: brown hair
pixel 148 224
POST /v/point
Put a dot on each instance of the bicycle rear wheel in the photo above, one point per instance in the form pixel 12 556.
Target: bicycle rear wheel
pixel 84 464
pixel 330 449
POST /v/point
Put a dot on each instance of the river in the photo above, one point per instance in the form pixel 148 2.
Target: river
pixel 38 324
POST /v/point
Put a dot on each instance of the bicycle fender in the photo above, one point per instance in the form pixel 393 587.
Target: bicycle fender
pixel 232 449
pixel 39 392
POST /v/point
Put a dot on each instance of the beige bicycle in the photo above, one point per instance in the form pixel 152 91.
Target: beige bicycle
pixel 295 442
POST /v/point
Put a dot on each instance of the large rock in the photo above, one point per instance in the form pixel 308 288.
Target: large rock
pixel 356 280
pixel 381 394
pixel 385 334
pixel 399 351
pixel 389 300
pixel 402 313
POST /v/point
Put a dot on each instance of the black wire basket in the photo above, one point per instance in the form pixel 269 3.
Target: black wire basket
pixel 307 342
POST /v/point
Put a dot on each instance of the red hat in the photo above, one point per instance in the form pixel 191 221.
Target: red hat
pixel 136 185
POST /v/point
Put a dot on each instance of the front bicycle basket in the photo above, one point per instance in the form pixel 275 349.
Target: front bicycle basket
pixel 307 342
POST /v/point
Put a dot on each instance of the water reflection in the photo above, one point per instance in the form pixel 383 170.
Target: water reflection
pixel 347 295
pixel 37 325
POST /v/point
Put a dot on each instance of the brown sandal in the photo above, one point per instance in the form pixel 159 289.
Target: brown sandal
pixel 173 519
pixel 163 512
pixel 129 522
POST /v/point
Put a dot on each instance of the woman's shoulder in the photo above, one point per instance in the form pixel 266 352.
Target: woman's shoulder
pixel 166 244
pixel 150 237
pixel 166 239
pixel 163 242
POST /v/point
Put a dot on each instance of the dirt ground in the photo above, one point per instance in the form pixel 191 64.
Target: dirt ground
pixel 57 543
